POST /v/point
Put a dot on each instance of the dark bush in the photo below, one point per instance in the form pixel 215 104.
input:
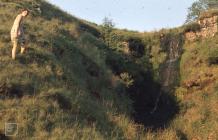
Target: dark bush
pixel 213 56
pixel 63 101
pixel 88 28
pixel 15 90
pixel 192 27
pixel 136 47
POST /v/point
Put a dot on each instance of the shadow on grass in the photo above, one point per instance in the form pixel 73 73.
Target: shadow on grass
pixel 3 137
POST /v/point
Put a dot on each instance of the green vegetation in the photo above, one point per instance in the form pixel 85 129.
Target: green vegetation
pixel 197 92
pixel 106 30
pixel 209 13
pixel 199 6
pixel 213 56
pixel 79 80
pixel 61 88
pixel 192 27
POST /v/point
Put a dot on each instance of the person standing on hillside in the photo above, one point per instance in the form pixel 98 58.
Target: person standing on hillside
pixel 17 33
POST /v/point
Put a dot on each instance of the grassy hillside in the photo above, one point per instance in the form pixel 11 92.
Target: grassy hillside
pixel 61 88
pixel 193 82
pixel 71 85
pixel 198 91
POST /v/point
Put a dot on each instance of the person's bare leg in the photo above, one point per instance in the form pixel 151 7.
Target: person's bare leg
pixel 23 45
pixel 14 50
pixel 22 50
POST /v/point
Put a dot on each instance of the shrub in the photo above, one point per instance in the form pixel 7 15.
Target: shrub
pixel 213 56
pixel 127 79
pixel 192 27
pixel 136 47
pixel 208 14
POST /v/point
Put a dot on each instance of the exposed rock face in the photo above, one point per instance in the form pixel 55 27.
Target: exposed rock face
pixel 191 36
pixel 208 28
pixel 169 69
pixel 134 47
pixel 126 47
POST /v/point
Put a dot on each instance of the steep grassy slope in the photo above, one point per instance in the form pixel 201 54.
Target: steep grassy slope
pixel 61 88
pixel 190 71
pixel 138 63
pixel 70 85
pixel 198 91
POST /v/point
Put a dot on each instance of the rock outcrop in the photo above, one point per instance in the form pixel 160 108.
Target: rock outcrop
pixel 126 49
pixel 208 28
pixel 169 70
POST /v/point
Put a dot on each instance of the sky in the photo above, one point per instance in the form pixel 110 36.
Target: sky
pixel 139 15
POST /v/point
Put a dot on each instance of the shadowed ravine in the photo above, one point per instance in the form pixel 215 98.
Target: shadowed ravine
pixel 79 80
pixel 154 103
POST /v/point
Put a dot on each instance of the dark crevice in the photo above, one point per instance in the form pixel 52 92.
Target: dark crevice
pixel 154 104
pixel 144 94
